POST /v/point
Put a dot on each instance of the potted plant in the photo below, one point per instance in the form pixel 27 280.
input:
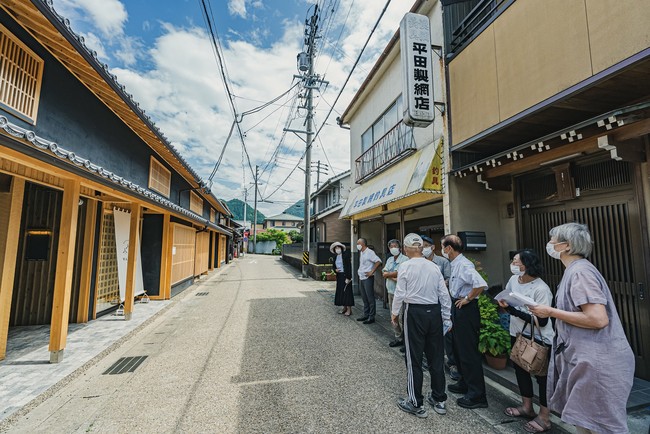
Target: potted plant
pixel 493 340
pixel 331 276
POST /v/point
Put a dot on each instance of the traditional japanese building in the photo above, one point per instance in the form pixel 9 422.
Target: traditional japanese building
pixel 96 207
pixel 549 116
pixel 397 169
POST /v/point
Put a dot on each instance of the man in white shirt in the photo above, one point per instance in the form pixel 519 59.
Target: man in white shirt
pixel 369 262
pixel 389 272
pixel 465 285
pixel 427 312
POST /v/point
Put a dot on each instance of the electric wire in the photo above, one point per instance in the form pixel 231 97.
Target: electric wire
pixel 354 66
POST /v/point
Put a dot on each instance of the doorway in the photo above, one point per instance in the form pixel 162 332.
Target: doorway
pixel 608 205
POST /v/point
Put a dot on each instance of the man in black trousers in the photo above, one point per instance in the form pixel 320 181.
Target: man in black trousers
pixel 421 288
pixel 465 285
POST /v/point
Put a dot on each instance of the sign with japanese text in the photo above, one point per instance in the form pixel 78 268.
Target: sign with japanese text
pixel 415 47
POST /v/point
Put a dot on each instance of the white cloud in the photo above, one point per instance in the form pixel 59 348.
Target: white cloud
pixel 108 16
pixel 237 7
pixel 183 92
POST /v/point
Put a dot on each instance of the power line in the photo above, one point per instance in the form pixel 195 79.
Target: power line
pixel 354 66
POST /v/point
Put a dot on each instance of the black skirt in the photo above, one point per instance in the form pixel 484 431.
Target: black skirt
pixel 343 295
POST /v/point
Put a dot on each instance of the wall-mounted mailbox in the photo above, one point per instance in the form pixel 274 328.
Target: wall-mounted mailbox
pixel 473 241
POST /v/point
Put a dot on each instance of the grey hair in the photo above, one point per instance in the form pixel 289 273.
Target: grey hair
pixel 576 235
pixel 395 241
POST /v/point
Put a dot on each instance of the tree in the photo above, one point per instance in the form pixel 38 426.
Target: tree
pixel 295 236
pixel 280 237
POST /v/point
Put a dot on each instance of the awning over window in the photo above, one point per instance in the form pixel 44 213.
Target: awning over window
pixel 421 172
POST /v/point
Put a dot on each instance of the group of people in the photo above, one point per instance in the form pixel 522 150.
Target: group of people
pixel 434 310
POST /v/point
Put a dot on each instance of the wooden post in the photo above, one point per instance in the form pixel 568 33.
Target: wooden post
pixel 87 261
pixel 165 259
pixel 8 259
pixel 211 252
pixel 132 261
pixel 64 270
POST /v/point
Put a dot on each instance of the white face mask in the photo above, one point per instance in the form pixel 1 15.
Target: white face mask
pixel 427 252
pixel 445 254
pixel 550 249
pixel 394 251
pixel 337 250
pixel 514 269
pixel 359 247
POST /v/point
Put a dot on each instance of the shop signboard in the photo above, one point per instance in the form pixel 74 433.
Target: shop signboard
pixel 415 51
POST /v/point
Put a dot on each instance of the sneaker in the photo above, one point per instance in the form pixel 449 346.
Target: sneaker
pixel 408 407
pixel 438 407
pixel 363 318
pixel 396 343
pixel 471 403
pixel 453 373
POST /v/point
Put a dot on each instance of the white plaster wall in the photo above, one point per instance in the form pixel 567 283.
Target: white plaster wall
pixel 387 86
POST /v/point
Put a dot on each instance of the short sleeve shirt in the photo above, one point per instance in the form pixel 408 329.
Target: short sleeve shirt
pixel 367 260
pixel 393 265
pixel 464 277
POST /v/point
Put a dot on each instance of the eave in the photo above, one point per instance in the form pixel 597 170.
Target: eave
pixel 53 32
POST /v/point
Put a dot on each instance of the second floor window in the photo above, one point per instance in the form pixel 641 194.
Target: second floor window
pixel 21 71
pixel 386 121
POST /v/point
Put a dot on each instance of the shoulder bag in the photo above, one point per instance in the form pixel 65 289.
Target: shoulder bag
pixel 529 354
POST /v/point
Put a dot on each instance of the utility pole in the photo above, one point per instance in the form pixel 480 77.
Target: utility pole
pixel 245 207
pixel 257 169
pixel 311 81
pixel 311 45
pixel 319 168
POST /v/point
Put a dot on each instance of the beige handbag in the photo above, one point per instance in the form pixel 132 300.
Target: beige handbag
pixel 529 354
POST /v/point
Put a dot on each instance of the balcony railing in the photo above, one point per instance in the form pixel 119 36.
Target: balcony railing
pixel 396 144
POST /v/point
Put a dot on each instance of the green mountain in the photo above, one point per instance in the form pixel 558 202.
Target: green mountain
pixel 237 208
pixel 297 209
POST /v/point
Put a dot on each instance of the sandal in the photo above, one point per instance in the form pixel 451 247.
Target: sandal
pixel 518 412
pixel 536 425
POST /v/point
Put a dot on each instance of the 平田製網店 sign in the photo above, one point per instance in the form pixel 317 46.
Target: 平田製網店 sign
pixel 415 46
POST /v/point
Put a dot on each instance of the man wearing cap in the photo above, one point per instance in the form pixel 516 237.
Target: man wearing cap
pixel 421 288
pixel 369 262
pixel 465 285
pixel 389 272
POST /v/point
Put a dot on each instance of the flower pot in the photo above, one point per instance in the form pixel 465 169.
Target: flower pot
pixel 499 362
pixel 330 277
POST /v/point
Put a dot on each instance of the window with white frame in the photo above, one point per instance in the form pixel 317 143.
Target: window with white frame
pixel 385 123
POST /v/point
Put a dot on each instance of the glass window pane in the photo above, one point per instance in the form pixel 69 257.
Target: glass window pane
pixel 366 140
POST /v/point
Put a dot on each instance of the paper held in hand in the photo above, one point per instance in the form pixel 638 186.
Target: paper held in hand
pixel 514 299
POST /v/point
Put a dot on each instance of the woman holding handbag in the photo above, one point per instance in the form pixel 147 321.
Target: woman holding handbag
pixel 526 268
pixel 342 265
pixel 592 368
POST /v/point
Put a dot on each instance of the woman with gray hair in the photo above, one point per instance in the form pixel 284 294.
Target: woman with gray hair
pixel 592 367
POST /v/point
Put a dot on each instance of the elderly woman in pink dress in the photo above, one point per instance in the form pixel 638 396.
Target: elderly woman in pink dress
pixel 592 366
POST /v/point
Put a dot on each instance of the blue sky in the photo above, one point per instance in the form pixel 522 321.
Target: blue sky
pixel 160 50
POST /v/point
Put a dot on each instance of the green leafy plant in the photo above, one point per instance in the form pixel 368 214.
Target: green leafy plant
pixel 493 338
pixel 295 236
pixel 324 274
pixel 280 237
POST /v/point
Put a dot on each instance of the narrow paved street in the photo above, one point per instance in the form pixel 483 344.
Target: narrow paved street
pixel 252 348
